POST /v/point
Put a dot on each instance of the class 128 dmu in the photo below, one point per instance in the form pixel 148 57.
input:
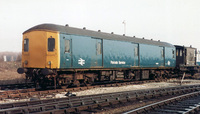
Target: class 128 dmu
pixel 60 56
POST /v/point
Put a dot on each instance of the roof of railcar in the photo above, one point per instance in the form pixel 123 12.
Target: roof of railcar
pixel 95 34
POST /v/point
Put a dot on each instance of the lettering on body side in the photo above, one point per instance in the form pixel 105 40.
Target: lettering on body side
pixel 117 62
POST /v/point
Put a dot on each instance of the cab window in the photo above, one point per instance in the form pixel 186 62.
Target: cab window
pixel 51 44
pixel 26 45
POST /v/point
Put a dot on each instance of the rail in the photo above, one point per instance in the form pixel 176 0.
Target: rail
pixel 90 102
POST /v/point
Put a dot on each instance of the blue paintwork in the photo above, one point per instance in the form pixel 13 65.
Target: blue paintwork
pixel 115 54
pixel 198 63
pixel 150 56
pixel 82 52
pixel 118 54
pixel 85 48
pixel 170 58
pixel 65 58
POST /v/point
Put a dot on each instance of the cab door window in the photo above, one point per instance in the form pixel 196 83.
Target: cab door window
pixel 99 48
pixel 136 51
pixel 51 44
pixel 26 45
pixel 67 46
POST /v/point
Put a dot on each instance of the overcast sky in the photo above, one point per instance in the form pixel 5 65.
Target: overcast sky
pixel 172 21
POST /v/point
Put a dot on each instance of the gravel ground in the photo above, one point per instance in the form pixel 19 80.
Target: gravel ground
pixel 170 83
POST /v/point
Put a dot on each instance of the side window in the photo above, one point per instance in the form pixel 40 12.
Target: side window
pixel 99 51
pixel 26 45
pixel 67 46
pixel 136 51
pixel 185 52
pixel 177 52
pixel 162 53
pixel 181 52
pixel 51 44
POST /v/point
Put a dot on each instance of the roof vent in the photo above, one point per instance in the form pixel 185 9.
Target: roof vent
pixel 158 40
pixel 66 25
pixel 151 39
pixel 123 34
pixel 99 30
pixel 112 32
pixel 143 38
pixel 134 36
pixel 190 45
pixel 84 28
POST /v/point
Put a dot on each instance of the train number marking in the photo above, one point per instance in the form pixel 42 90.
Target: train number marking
pixel 81 62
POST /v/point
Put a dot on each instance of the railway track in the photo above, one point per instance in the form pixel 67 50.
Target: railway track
pixel 184 104
pixel 94 103
pixel 32 85
pixel 190 105
pixel 26 93
pixel 17 86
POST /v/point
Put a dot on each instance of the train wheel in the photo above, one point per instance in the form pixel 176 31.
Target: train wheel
pixel 37 86
pixel 64 86
pixel 76 83
pixel 88 81
pixel 111 77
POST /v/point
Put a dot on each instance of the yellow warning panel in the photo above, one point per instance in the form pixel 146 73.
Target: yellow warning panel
pixel 40 49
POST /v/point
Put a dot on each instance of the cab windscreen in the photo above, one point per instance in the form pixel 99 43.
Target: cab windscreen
pixel 51 44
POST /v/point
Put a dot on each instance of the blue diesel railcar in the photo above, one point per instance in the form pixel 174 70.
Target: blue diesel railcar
pixel 85 56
